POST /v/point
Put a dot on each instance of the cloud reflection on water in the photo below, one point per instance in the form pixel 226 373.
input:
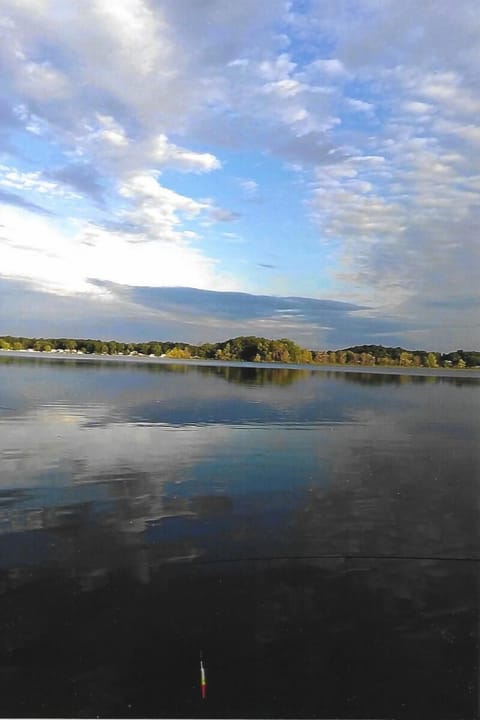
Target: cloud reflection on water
pixel 309 463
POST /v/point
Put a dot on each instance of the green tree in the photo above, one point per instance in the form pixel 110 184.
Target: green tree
pixel 305 357
pixel 406 359
pixel 179 353
pixel 350 357
pixel 367 359
pixel 279 351
pixel 156 349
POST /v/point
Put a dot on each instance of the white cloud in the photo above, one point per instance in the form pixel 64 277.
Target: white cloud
pixel 40 81
pixel 417 108
pixel 14 179
pixel 284 88
pixel 330 67
pixel 126 81
pixel 250 187
pixel 403 229
pixel 469 132
pixel 110 132
pixel 448 91
pixel 155 209
pixel 360 105
pixel 239 62
pixel 62 260
pixel 169 155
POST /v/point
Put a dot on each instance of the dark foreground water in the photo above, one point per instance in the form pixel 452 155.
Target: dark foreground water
pixel 315 535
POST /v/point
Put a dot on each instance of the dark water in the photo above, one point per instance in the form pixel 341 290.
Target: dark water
pixel 315 535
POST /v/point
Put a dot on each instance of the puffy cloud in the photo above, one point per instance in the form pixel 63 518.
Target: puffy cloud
pixel 402 229
pixel 328 67
pixel 14 179
pixel 471 133
pixel 170 155
pixel 113 63
pixel 62 260
pixel 111 132
pixel 417 108
pixel 360 105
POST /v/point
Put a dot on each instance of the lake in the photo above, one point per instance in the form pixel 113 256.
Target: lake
pixel 313 534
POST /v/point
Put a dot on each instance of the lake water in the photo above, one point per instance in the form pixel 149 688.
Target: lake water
pixel 314 534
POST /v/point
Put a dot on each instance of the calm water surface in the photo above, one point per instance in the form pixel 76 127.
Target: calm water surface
pixel 314 534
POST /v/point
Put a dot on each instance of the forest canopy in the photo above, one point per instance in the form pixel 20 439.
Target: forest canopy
pixel 250 349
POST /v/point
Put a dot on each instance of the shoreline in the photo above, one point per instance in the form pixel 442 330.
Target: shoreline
pixel 473 373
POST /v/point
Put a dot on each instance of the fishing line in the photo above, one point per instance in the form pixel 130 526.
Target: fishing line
pixel 338 556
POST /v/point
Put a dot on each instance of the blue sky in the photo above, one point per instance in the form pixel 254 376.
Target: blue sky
pixel 161 160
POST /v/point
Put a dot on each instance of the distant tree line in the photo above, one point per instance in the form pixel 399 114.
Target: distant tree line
pixel 398 356
pixel 253 349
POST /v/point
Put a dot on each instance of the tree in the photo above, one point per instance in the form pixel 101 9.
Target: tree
pixel 305 357
pixel 367 358
pixel 406 359
pixel 156 349
pixel 432 360
pixel 279 351
pixel 178 353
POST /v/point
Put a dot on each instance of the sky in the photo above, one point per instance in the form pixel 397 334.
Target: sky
pixel 194 170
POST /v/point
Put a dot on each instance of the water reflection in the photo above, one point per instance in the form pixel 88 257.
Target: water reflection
pixel 339 468
pixel 146 514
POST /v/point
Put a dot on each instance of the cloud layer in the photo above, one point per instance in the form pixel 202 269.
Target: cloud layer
pixel 125 312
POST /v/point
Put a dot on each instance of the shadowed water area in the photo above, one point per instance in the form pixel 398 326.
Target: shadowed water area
pixel 314 534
